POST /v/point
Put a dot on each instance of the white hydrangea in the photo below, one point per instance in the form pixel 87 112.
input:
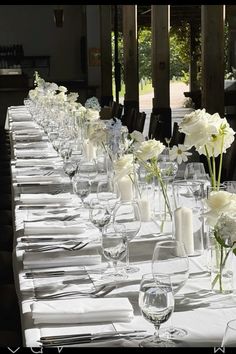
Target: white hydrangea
pixel 226 228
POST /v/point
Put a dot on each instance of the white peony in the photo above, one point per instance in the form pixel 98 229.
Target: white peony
pixel 149 149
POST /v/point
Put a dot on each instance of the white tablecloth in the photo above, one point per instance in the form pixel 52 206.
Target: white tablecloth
pixel 202 314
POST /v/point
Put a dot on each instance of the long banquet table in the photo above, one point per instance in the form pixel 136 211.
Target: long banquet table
pixel 201 313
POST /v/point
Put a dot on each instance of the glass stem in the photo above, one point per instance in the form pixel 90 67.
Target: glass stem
pixel 156 334
pixel 127 256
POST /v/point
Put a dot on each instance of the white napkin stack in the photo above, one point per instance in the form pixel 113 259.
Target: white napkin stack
pixel 43 198
pixel 34 153
pixel 56 178
pixel 83 310
pixel 83 257
pixel 24 125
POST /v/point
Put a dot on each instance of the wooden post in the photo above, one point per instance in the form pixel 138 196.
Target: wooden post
pixel 193 83
pixel 213 58
pixel 160 67
pixel 106 56
pixel 131 98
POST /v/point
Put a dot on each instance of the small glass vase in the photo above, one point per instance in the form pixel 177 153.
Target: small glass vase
pixel 221 269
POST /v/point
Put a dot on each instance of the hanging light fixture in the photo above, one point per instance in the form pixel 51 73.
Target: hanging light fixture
pixel 59 17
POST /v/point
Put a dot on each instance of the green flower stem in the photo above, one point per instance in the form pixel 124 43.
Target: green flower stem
pixel 221 267
pixel 221 160
pixel 210 167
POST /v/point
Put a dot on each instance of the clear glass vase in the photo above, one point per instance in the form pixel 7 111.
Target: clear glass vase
pixel 221 269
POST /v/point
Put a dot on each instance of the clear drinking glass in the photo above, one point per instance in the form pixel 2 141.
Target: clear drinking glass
pixel 114 248
pixel 169 257
pixel 81 187
pixel 108 192
pixel 156 301
pixel 229 339
pixel 70 168
pixel 128 214
pixel 98 213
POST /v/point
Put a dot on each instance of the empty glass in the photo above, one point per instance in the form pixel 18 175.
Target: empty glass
pixel 108 192
pixel 156 301
pixel 98 213
pixel 229 339
pixel 114 248
pixel 128 214
pixel 81 187
pixel 169 257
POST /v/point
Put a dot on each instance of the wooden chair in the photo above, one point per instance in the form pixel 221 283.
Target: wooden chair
pixel 138 121
pixel 156 129
pixel 177 136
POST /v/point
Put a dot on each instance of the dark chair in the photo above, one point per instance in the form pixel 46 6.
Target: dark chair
pixel 139 121
pixel 177 136
pixel 128 119
pixel 156 129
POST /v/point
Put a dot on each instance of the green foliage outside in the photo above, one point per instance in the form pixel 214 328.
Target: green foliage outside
pixel 179 55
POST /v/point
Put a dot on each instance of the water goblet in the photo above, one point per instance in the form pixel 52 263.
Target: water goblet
pixel 170 258
pixel 156 301
pixel 99 214
pixel 114 248
pixel 81 187
pixel 128 214
pixel 108 191
pixel 70 168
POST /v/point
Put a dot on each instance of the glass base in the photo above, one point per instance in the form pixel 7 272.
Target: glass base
pixel 131 269
pixel 110 275
pixel 153 341
pixel 173 332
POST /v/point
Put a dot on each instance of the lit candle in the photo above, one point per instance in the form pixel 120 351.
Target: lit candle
pixel 126 188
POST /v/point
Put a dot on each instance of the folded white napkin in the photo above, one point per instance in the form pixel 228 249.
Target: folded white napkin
pixel 83 257
pixel 24 125
pixel 53 227
pixel 43 198
pixel 33 179
pixel 36 162
pixel 82 310
pixel 34 153
pixel 34 145
pixel 28 137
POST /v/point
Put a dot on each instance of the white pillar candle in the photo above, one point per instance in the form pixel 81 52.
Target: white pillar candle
pixel 145 209
pixel 90 150
pixel 178 224
pixel 183 219
pixel 126 188
pixel 187 230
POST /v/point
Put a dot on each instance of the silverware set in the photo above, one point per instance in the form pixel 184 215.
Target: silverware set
pixel 45 248
pixel 70 339
pixel 99 291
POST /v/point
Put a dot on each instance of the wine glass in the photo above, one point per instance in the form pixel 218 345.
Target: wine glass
pixel 108 192
pixel 98 213
pixel 156 301
pixel 229 339
pixel 81 187
pixel 128 214
pixel 169 257
pixel 70 168
pixel 65 149
pixel 114 248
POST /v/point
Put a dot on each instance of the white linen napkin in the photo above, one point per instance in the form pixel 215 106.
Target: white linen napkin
pixel 36 162
pixel 43 198
pixel 56 178
pixel 54 227
pixel 24 125
pixel 83 257
pixel 34 153
pixel 82 310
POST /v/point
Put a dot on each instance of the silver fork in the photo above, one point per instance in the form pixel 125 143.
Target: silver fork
pixel 100 291
pixel 77 246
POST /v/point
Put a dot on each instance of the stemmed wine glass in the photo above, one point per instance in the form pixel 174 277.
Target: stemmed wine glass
pixel 81 187
pixel 156 301
pixel 70 168
pixel 169 257
pixel 128 214
pixel 114 248
pixel 108 192
pixel 98 213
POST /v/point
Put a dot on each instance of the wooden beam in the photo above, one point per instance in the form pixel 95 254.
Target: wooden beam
pixel 213 58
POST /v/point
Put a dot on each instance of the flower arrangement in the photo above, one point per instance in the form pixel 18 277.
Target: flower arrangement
pixel 221 215
pixel 211 136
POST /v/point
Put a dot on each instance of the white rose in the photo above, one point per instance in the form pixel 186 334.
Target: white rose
pixel 62 89
pixel 92 114
pixel 219 202
pixel 226 227
pixel 123 166
pixel 149 149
